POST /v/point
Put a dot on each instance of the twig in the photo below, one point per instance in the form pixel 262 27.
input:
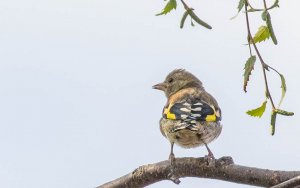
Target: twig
pixel 264 65
pixel 265 5
pixel 273 69
pixel 266 8
pixel 186 7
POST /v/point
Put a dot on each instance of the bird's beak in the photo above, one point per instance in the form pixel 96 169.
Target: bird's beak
pixel 160 86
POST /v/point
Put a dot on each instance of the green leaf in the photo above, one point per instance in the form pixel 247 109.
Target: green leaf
pixel 271 30
pixel 241 5
pixel 258 112
pixel 233 17
pixel 283 112
pixel 283 88
pixel 273 122
pixel 172 4
pixel 261 35
pixel 249 66
pixel 197 19
pixel 264 15
pixel 186 13
pixel 276 4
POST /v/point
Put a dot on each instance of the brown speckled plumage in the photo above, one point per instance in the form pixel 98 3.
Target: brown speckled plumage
pixel 208 131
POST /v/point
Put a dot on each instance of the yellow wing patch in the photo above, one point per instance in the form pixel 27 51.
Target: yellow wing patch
pixel 211 117
pixel 168 114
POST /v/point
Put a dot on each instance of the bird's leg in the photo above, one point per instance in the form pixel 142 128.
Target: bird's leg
pixel 172 175
pixel 172 156
pixel 210 154
pixel 210 157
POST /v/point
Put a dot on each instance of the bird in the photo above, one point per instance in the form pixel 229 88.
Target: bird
pixel 191 116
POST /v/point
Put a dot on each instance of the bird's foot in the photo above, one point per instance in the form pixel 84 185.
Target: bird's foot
pixel 172 175
pixel 210 159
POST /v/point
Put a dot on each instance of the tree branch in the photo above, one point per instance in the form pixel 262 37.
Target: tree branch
pixel 223 169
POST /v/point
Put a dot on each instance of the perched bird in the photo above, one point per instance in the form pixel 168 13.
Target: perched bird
pixel 191 116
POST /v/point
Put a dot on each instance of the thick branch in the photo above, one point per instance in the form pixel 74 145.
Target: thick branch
pixel 223 169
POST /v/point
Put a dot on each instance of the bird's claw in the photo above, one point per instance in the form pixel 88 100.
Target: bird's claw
pixel 211 161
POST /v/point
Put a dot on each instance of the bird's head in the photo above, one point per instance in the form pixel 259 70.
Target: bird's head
pixel 177 80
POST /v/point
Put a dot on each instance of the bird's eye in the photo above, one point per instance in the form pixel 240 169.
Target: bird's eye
pixel 170 80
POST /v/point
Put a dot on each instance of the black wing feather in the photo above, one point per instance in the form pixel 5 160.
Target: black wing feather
pixel 190 111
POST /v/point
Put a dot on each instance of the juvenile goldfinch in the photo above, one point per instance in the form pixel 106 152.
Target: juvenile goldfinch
pixel 191 116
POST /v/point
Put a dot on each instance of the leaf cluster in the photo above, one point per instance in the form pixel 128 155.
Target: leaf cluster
pixel 264 33
pixel 172 4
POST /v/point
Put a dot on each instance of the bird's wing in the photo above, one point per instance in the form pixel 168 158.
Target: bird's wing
pixel 191 111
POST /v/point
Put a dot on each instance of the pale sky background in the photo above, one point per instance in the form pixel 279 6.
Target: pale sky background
pixel 76 104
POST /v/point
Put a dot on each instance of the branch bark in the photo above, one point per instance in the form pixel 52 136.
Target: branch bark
pixel 221 169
